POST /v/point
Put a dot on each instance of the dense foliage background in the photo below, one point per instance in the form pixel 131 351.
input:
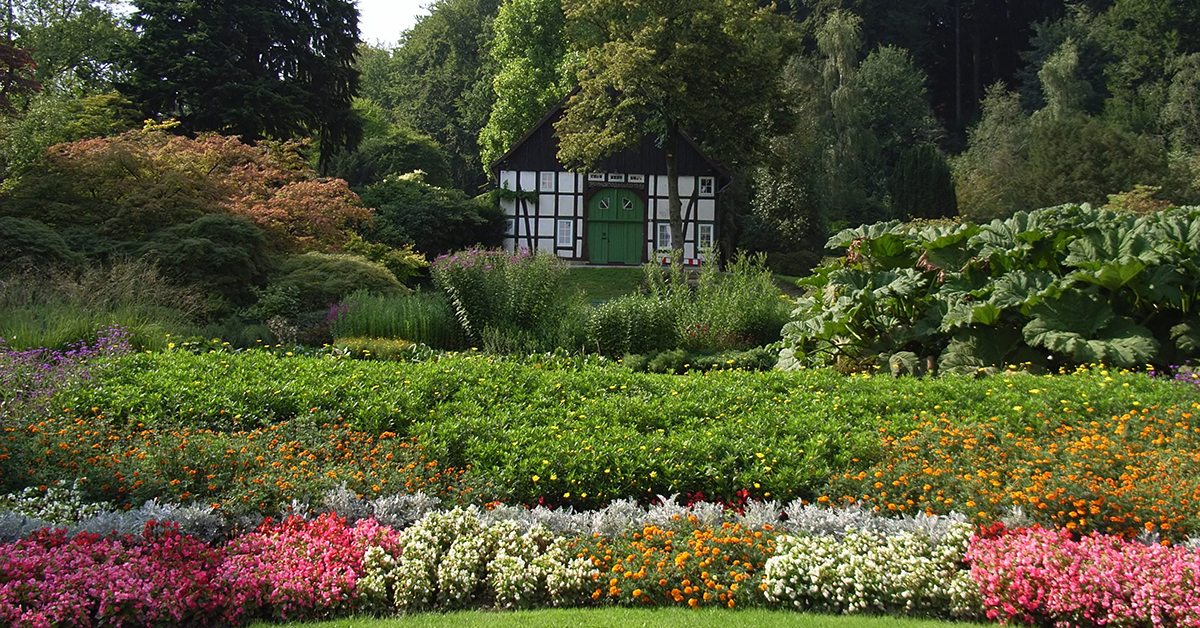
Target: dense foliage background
pixel 847 113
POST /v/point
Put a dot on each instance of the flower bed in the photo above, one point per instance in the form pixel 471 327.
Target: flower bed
pixel 563 431
pixel 815 559
pixel 1121 474
pixel 245 471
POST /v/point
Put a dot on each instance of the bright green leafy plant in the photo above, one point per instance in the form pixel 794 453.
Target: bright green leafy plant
pixel 1064 285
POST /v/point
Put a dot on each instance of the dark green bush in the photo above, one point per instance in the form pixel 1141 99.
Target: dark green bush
pixel 434 220
pixel 218 253
pixel 672 361
pixel 398 151
pixel 28 243
pixel 322 279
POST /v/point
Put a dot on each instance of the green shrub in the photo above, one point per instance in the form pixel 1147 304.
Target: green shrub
pixel 404 262
pixel 321 279
pixel 633 323
pixel 218 253
pixel 373 348
pixel 418 317
pixel 672 361
pixel 507 302
pixel 27 243
pixel 434 220
pixel 737 309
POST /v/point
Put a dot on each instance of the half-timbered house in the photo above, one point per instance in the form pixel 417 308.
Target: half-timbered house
pixel 615 214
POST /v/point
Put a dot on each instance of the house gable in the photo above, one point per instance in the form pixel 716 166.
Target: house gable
pixel 567 213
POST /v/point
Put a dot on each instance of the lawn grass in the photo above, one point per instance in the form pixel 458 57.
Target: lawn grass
pixel 619 617
pixel 602 284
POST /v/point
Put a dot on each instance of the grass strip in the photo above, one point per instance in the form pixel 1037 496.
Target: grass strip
pixel 623 617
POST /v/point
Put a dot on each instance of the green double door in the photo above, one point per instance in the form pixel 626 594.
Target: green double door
pixel 616 227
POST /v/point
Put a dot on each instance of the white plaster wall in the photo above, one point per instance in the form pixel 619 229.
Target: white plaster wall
pixel 546 204
pixel 707 209
pixel 528 181
pixel 687 185
pixel 566 182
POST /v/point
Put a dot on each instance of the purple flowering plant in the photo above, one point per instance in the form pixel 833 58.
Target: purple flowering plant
pixel 30 377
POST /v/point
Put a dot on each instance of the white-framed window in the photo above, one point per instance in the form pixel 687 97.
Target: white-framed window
pixel 627 204
pixel 604 204
pixel 707 186
pixel 616 178
pixel 546 183
pixel 637 178
pixel 510 226
pixel 565 234
pixel 664 236
pixel 705 241
pixel 596 176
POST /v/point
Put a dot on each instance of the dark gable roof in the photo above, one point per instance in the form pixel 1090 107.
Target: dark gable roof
pixel 537 150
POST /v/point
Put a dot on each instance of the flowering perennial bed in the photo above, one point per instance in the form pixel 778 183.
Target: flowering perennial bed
pixel 242 471
pixel 842 561
pixel 1118 474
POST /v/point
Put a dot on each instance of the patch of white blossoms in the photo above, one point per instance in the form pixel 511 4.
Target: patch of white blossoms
pixel 902 573
pixel 457 559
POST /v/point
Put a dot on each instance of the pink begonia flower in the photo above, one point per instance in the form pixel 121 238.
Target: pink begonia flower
pixel 1046 577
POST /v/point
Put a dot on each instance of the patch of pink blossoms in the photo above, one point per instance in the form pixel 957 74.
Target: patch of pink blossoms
pixel 299 569
pixel 294 570
pixel 1046 577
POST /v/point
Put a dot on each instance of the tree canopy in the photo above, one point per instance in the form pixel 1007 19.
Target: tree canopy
pixel 661 67
pixel 276 69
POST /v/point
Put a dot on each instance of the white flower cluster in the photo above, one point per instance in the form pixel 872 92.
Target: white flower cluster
pixel 872 572
pixel 58 504
pixel 535 568
pixel 458 559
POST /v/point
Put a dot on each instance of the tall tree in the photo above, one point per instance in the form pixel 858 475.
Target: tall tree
pixel 660 67
pixel 16 76
pixel 74 42
pixel 442 81
pixel 257 69
pixel 529 50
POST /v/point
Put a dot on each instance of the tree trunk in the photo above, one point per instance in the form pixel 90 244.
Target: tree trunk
pixel 674 205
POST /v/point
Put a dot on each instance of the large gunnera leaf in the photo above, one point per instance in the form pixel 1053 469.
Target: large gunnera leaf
pixel 1117 241
pixel 946 247
pixel 881 245
pixel 1085 329
pixel 1113 275
pixel 1187 337
pixel 988 347
pixel 1023 289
